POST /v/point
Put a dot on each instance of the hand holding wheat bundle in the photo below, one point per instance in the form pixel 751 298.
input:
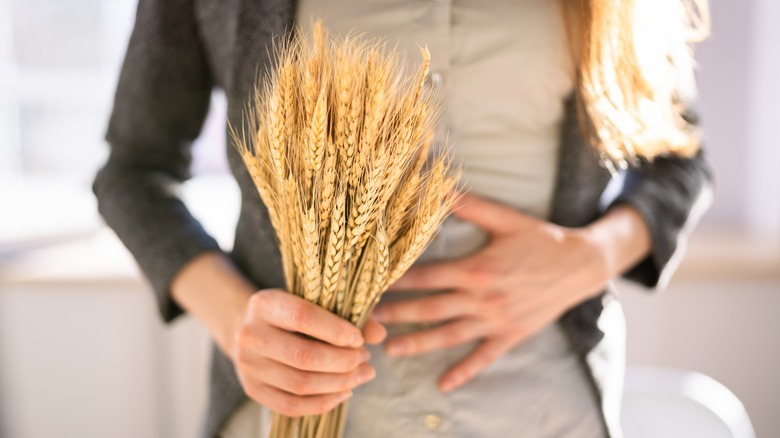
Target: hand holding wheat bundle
pixel 338 146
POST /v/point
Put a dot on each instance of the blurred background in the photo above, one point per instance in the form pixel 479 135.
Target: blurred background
pixel 83 353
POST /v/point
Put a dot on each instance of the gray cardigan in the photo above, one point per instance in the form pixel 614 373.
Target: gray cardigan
pixel 181 49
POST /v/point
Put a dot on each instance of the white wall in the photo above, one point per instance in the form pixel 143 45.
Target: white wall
pixel 738 67
pixel 763 179
pixel 725 329
pixel 92 360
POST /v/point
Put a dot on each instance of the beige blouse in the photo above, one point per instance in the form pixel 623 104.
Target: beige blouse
pixel 504 71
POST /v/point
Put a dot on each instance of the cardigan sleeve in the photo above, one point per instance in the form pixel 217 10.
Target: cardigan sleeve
pixel 161 101
pixel 671 194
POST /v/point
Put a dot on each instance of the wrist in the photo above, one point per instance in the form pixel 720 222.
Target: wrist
pixel 621 238
pixel 597 257
pixel 232 318
pixel 212 290
pixel 603 250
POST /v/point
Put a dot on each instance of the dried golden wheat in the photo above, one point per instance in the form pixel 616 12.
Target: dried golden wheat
pixel 338 143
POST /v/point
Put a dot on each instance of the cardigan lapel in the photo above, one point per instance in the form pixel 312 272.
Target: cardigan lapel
pixel 581 178
pixel 258 22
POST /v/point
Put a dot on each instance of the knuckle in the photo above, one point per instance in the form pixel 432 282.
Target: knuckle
pixel 299 314
pixel 453 336
pixel 483 274
pixel 300 384
pixel 288 405
pixel 302 355
pixel 254 392
pixel 257 298
pixel 260 300
pixel 243 338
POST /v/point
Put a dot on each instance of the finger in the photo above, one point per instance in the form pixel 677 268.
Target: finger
pixel 257 343
pixel 374 332
pixel 299 382
pixel 290 312
pixel 295 405
pixel 436 275
pixel 493 217
pixel 437 338
pixel 483 356
pixel 434 308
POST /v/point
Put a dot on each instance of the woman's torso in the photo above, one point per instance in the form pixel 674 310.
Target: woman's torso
pixel 504 72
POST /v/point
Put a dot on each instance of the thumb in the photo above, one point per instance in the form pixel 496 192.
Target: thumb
pixel 374 332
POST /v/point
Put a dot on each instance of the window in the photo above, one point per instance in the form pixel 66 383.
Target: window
pixel 59 63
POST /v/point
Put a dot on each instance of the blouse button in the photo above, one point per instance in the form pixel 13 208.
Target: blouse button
pixel 431 421
pixel 434 79
pixel 437 79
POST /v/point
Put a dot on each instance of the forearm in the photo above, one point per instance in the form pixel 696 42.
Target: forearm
pixel 623 237
pixel 155 226
pixel 211 289
pixel 161 101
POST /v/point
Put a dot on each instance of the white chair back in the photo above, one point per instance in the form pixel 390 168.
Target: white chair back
pixel 670 403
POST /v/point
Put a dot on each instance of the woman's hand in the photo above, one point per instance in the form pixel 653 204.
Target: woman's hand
pixel 297 358
pixel 527 276
pixel 291 356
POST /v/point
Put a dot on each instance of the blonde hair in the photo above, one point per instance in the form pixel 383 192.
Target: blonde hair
pixel 635 74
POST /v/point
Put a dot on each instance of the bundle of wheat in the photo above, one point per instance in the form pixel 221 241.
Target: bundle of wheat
pixel 338 143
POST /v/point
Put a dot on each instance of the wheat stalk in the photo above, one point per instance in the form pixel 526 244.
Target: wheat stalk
pixel 334 252
pixel 337 142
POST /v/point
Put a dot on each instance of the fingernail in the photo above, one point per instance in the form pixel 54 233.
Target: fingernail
pixel 343 396
pixel 449 383
pixel 355 339
pixel 365 375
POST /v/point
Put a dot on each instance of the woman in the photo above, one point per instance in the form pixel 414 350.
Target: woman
pixel 520 338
